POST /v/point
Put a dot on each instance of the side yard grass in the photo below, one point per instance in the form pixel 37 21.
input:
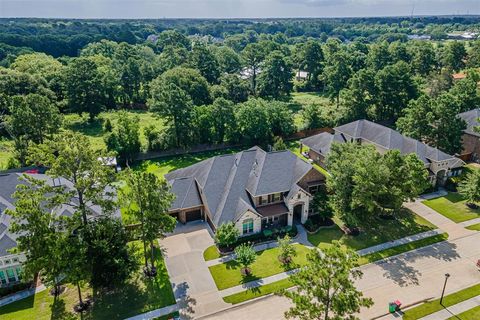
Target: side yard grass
pixel 406 224
pixel 474 227
pixel 227 275
pixel 453 206
pixel 449 300
pixel 137 296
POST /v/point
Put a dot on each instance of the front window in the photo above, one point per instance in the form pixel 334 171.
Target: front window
pixel 247 226
pixel 11 275
pixel 3 279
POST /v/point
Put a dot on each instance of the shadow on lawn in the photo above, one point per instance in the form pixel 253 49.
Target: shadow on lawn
pixel 400 269
pixel 59 311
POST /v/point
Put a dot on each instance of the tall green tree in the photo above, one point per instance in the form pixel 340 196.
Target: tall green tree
pixel 203 59
pixel 325 287
pixel 148 199
pixel 275 81
pixel 125 138
pixel 83 87
pixel 336 74
pixel 310 58
pixel 453 55
pixel 71 156
pixel 253 55
pixel 253 121
pixel 473 57
pixel 32 119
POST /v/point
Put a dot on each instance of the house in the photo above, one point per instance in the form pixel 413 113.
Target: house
pixel 459 76
pixel 11 263
pixel 301 75
pixel 471 138
pixel 439 164
pixel 254 189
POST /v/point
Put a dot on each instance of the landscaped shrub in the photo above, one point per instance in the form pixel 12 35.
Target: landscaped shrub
pixel 287 250
pixel 227 234
pixel 14 288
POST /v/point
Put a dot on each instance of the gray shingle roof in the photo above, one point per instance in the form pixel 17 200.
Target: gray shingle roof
pixel 6 243
pixel 471 118
pixel 379 135
pixel 229 182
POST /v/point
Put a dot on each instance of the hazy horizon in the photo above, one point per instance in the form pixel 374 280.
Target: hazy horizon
pixel 218 9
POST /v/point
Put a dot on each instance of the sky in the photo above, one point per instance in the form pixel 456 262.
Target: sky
pixel 232 8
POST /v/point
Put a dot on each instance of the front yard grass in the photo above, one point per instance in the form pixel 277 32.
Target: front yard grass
pixel 137 296
pixel 434 305
pixel 453 206
pixel 276 286
pixel 472 314
pixel 406 224
pixel 211 253
pixel 227 275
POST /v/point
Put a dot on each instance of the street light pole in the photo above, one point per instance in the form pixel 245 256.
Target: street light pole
pixel 447 275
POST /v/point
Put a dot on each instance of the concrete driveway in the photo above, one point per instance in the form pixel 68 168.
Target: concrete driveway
pixel 193 286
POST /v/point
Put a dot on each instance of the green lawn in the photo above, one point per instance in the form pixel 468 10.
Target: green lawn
pixel 402 248
pixel 258 292
pixel 474 227
pixel 137 296
pixel 211 253
pixel 165 165
pixel 380 231
pixel 228 274
pixel 472 314
pixel 453 207
pixel 95 131
pixel 434 305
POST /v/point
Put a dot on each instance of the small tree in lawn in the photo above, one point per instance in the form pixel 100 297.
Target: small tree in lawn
pixel 470 188
pixel 287 250
pixel 325 286
pixel 226 235
pixel 245 255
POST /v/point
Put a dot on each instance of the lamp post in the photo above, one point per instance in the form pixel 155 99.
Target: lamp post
pixel 447 275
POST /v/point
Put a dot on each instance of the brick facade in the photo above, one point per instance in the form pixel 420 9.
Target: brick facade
pixel 471 146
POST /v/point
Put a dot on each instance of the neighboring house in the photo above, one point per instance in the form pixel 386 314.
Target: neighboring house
pixel 301 75
pixel 471 138
pixel 439 164
pixel 11 263
pixel 254 189
pixel 247 73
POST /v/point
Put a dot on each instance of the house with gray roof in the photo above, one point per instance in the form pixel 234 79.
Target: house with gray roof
pixel 11 263
pixel 439 164
pixel 253 188
pixel 471 138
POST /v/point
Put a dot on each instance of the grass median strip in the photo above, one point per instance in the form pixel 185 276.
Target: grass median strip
pixel 379 255
pixel 475 227
pixel 472 314
pixel 259 291
pixel 227 275
pixel 434 305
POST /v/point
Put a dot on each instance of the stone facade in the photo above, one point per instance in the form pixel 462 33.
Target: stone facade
pixel 257 222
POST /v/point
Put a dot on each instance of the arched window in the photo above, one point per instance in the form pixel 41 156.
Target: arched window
pixel 247 226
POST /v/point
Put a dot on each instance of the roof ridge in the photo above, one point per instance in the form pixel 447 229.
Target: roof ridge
pixel 228 184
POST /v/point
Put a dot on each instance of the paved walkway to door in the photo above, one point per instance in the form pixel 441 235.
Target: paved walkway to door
pixel 193 286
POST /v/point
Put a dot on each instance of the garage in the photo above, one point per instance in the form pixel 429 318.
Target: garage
pixel 193 215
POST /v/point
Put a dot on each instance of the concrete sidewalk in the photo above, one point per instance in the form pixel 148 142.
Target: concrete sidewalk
pixel 156 313
pixel 454 310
